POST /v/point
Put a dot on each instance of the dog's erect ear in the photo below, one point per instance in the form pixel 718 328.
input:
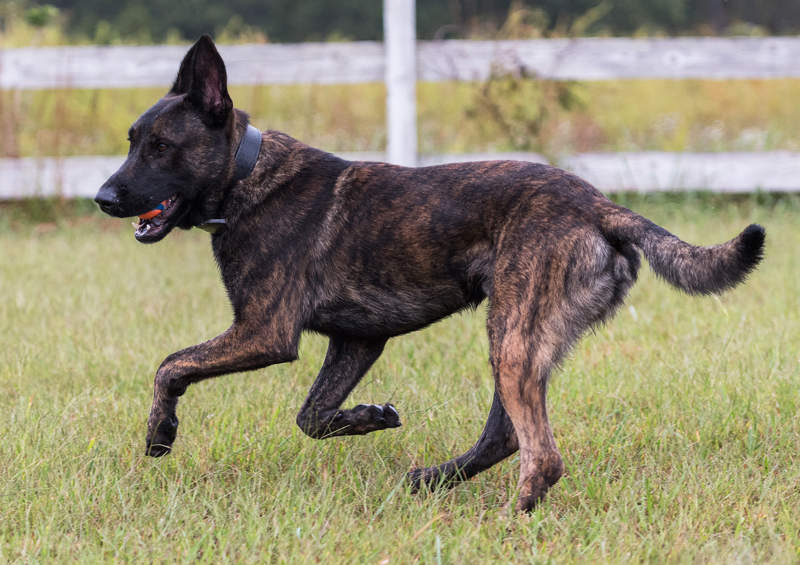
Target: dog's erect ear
pixel 203 79
pixel 184 79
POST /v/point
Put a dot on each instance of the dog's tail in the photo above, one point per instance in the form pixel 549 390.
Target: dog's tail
pixel 693 269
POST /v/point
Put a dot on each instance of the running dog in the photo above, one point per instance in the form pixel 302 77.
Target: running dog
pixel 362 252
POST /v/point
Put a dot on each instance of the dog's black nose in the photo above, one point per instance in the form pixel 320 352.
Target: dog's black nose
pixel 107 199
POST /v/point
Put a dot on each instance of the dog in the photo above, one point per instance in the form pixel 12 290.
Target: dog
pixel 362 252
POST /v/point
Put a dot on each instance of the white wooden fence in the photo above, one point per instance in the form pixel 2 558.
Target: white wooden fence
pixel 358 62
pixel 365 61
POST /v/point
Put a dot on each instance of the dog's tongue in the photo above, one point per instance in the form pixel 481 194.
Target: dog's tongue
pixel 154 212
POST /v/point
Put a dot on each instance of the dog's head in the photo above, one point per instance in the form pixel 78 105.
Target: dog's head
pixel 181 155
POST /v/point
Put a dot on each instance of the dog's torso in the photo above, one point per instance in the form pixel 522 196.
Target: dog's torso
pixel 377 249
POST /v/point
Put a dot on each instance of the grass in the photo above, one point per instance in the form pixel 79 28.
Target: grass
pixel 677 421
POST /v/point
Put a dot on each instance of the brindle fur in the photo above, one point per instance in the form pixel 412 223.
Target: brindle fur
pixel 362 252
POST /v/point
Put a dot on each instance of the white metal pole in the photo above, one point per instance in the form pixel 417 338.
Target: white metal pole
pixel 399 40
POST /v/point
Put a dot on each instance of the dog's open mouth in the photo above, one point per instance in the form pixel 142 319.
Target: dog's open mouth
pixel 158 222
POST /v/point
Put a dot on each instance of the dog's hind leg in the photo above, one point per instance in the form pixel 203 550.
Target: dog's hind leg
pixel 526 339
pixel 347 360
pixel 497 442
pixel 547 297
pixel 518 419
pixel 523 391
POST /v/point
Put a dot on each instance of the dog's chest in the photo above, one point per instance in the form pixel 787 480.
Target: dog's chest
pixel 371 311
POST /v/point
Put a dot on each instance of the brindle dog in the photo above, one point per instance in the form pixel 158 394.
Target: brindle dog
pixel 362 252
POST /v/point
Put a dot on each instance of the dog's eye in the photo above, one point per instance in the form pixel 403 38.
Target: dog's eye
pixel 161 147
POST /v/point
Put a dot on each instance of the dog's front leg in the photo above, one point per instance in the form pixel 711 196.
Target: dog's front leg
pixel 346 362
pixel 240 348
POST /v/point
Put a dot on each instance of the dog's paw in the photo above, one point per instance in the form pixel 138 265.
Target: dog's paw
pixel 432 478
pixel 415 479
pixel 391 417
pixel 427 478
pixel 371 417
pixel 533 493
pixel 160 442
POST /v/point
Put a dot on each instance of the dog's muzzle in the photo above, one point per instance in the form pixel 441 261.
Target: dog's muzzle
pixel 108 200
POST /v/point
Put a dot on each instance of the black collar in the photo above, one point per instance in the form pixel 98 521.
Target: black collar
pixel 245 160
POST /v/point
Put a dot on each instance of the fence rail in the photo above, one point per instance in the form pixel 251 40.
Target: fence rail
pixel 364 61
pixel 359 62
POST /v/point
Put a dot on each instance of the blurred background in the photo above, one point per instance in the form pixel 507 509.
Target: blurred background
pixel 155 21
pixel 504 112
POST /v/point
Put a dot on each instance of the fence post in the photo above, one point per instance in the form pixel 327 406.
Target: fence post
pixel 399 40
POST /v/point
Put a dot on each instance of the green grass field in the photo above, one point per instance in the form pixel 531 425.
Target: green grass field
pixel 678 421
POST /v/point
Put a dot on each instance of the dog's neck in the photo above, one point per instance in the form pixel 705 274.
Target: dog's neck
pixel 244 163
pixel 274 169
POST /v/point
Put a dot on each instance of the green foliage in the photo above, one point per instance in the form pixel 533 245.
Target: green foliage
pixel 40 16
pixel 145 21
pixel 677 420
pixel 525 111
